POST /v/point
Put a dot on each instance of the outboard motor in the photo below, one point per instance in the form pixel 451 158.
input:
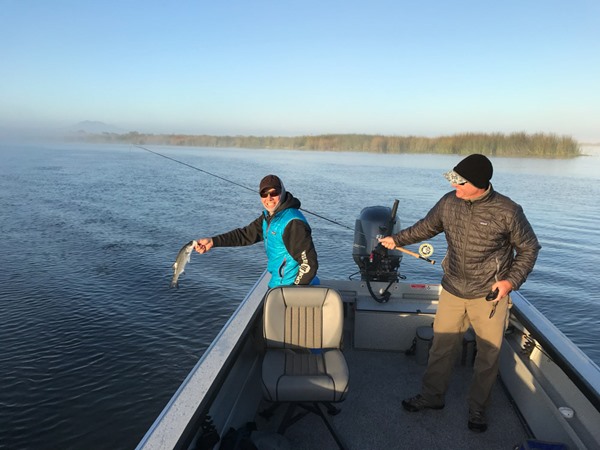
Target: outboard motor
pixel 376 263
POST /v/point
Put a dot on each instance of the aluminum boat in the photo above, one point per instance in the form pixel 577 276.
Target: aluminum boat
pixel 548 390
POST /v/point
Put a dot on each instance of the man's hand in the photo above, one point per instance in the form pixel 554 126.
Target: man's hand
pixel 203 245
pixel 388 242
pixel 504 288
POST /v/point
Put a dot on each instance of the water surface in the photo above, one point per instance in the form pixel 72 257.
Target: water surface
pixel 94 342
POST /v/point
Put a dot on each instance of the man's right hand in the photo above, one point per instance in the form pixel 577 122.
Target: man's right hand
pixel 203 245
pixel 388 242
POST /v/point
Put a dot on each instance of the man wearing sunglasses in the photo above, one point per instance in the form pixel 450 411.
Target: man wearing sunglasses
pixel 491 250
pixel 291 254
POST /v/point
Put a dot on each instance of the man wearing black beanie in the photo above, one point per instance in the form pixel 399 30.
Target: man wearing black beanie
pixel 492 248
pixel 476 169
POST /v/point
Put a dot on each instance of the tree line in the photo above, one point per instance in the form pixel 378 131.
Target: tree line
pixel 538 145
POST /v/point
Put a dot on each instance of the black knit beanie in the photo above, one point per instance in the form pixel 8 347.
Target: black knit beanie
pixel 476 169
pixel 272 182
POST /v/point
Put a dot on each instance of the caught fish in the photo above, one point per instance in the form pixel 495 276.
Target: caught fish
pixel 183 257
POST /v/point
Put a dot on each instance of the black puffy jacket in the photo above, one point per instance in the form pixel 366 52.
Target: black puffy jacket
pixel 487 237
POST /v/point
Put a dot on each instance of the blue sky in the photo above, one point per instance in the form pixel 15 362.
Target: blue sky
pixel 288 68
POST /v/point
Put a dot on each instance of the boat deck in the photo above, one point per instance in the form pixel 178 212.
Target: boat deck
pixel 379 380
pixel 548 376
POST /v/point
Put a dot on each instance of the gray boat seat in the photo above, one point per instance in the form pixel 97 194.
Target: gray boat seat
pixel 303 363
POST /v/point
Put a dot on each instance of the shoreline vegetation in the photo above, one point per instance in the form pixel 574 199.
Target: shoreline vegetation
pixel 538 145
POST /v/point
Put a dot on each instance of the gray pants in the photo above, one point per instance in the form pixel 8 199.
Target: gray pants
pixel 451 321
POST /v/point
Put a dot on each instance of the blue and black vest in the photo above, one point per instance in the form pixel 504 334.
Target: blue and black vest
pixel 281 265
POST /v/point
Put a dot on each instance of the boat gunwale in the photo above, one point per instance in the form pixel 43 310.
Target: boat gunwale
pixel 578 367
pixel 205 378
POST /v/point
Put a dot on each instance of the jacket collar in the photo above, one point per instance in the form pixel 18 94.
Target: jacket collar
pixel 485 196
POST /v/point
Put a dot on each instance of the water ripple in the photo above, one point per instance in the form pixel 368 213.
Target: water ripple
pixel 93 338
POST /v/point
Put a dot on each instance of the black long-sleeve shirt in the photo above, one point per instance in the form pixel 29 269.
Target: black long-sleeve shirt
pixel 297 238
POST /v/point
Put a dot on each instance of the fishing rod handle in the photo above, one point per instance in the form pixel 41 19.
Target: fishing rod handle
pixel 416 255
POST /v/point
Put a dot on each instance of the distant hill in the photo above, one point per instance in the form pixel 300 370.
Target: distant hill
pixel 94 127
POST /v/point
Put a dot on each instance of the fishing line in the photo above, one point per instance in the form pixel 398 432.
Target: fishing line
pixel 403 250
pixel 196 168
pixel 239 185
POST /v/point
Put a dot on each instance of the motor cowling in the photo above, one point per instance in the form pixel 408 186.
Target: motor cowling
pixel 376 263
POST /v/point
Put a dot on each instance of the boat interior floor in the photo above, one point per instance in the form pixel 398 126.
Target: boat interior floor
pixel 372 416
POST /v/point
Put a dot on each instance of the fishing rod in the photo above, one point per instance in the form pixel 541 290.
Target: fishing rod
pixel 403 250
pixel 420 255
pixel 424 250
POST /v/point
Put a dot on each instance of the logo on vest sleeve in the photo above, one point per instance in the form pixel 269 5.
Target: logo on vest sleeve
pixel 303 269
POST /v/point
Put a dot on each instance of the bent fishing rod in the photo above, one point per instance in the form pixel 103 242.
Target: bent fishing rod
pixel 401 249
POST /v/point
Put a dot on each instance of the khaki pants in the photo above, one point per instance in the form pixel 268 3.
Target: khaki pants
pixel 451 321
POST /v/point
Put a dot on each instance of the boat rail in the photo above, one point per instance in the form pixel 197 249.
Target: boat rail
pixel 177 423
pixel 580 369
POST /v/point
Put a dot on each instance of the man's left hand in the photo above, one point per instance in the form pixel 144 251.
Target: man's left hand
pixel 504 288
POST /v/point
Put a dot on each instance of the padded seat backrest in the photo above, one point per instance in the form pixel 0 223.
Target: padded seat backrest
pixel 303 317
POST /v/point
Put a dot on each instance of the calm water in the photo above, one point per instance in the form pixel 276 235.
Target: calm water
pixel 93 342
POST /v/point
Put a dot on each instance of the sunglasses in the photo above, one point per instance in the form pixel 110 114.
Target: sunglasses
pixel 271 194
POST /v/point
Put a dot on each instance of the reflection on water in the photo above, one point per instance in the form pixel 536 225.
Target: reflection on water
pixel 93 339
